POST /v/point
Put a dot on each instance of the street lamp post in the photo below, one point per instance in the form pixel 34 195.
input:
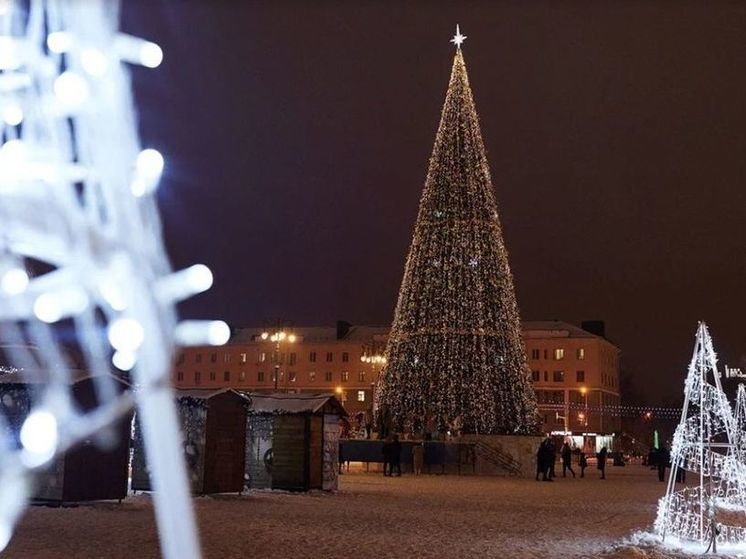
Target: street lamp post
pixel 584 392
pixel 277 336
pixel 374 359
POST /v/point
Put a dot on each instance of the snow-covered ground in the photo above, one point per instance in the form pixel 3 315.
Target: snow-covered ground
pixel 376 517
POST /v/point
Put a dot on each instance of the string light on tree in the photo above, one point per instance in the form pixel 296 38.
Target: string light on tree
pixel 455 354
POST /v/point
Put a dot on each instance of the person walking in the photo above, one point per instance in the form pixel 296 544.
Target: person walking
pixel 395 456
pixel 552 458
pixel 386 450
pixel 418 454
pixel 543 457
pixel 601 457
pixel 566 454
pixel 583 463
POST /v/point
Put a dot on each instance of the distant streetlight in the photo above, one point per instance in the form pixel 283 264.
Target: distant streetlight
pixel 584 392
pixel 277 336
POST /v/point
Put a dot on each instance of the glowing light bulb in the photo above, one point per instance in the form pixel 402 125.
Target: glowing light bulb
pixel 47 308
pixel 39 436
pixel 148 170
pixel 13 115
pixel 291 338
pixel 199 277
pixel 218 332
pixel 265 335
pixel 151 55
pixel 59 41
pixel 124 360
pixel 126 334
pixel 94 62
pixel 71 88
pixel 14 281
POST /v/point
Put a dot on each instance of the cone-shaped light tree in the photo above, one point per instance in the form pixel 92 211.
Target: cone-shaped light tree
pixel 455 354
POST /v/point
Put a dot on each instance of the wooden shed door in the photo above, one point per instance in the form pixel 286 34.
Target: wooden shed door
pixel 225 445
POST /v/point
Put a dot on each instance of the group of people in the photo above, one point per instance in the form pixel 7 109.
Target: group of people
pixel 546 458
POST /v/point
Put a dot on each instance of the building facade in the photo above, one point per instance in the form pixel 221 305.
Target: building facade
pixel 575 372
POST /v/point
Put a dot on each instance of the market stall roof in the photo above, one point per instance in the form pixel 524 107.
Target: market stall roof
pixel 281 403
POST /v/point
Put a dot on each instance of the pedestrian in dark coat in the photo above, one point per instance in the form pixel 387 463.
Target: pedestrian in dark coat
pixel 552 458
pixel 386 450
pixel 541 468
pixel 544 456
pixel 395 456
pixel 566 455
pixel 601 457
pixel 664 459
pixel 583 462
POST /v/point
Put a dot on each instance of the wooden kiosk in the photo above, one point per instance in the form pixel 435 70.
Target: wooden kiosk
pixel 292 441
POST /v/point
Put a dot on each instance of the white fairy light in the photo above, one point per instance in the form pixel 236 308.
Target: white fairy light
pixel 59 41
pixel 124 360
pixel 126 334
pixel 14 281
pixel 12 115
pixel 39 437
pixel 151 55
pixel 148 170
pixel 71 88
pixel 199 332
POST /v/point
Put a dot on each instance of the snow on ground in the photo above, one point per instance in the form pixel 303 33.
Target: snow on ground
pixel 378 517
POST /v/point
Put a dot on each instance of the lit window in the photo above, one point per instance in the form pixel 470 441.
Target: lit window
pixel 559 353
pixel 535 375
pixel 580 354
pixel 291 377
pixel 345 357
pixel 260 376
pixel 361 395
pixel 328 376
pixel 213 376
pixel 262 357
pixel 558 376
pixel 226 358
pixel 227 376
pixel 361 376
pixel 345 376
pixel 579 376
pixel 312 376
pixel 243 358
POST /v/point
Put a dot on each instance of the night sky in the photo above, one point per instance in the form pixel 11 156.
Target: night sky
pixel 297 136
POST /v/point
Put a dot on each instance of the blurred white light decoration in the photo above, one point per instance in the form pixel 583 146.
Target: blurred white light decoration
pixel 151 55
pixel 14 281
pixel 710 513
pixel 81 251
pixel 12 115
pixel 39 437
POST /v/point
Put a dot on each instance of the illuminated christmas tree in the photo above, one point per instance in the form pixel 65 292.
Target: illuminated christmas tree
pixel 455 356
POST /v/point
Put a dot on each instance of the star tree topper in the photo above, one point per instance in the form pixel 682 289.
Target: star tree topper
pixel 458 38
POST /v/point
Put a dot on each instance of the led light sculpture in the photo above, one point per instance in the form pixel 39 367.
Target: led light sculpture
pixel 81 247
pixel 712 511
